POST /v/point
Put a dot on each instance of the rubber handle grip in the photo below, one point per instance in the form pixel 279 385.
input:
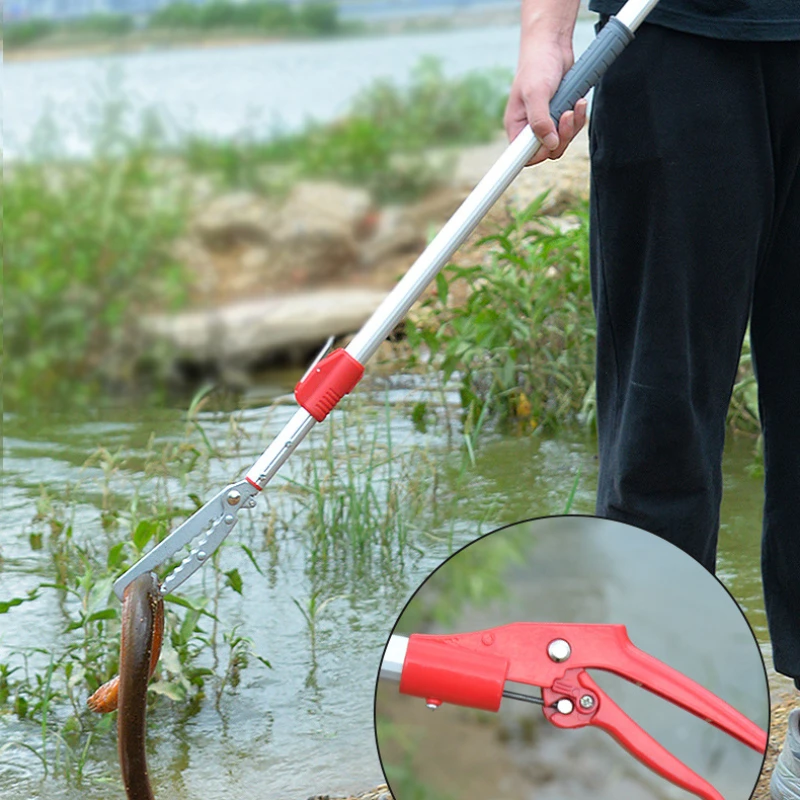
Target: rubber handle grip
pixel 590 67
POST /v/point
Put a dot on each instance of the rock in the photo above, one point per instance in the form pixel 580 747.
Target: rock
pixel 244 333
pixel 322 209
pixel 567 178
pixel 316 230
pixel 235 217
pixel 406 229
pixel 393 233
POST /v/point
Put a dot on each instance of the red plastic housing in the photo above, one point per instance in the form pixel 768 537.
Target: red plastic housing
pixel 328 382
pixel 441 672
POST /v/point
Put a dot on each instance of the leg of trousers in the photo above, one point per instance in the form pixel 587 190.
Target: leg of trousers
pixel 695 213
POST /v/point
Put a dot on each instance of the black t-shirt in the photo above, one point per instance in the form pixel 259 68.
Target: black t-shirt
pixel 746 20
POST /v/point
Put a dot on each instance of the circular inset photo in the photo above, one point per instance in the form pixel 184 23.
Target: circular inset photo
pixel 571 657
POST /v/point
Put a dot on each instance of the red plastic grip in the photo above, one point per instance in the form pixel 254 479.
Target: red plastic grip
pixel 328 382
pixel 438 671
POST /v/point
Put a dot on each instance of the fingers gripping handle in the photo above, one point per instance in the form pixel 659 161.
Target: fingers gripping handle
pixel 590 67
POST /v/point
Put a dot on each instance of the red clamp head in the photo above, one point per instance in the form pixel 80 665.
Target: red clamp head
pixel 471 669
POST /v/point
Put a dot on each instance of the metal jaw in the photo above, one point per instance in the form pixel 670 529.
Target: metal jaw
pixel 209 525
pixel 471 669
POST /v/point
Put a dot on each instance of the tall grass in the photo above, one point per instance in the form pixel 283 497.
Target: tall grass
pixel 522 343
pixel 86 250
pixel 315 18
pixel 261 16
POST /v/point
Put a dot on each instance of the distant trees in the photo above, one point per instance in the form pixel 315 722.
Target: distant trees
pixel 266 16
pixel 273 17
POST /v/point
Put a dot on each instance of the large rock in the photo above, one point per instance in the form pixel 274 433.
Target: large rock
pixel 242 243
pixel 248 332
pixel 233 218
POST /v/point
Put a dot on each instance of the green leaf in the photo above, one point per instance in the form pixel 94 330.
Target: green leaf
pixel 115 555
pixel 234 580
pixel 108 613
pixel 144 532
pixel 252 558
pixel 442 287
pixel 174 691
pixel 16 601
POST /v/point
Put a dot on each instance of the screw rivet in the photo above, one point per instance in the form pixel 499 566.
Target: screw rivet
pixel 559 650
pixel 233 497
pixel 587 701
pixel 565 706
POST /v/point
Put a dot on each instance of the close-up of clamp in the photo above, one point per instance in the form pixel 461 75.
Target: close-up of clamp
pixel 472 669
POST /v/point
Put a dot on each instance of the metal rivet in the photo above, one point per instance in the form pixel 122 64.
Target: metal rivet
pixel 559 650
pixel 229 518
pixel 202 555
pixel 233 497
pixel 565 706
pixel 587 701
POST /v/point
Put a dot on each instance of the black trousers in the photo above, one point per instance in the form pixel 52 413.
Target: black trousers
pixel 695 213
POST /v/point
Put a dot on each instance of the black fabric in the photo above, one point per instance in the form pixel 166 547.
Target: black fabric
pixel 743 20
pixel 695 226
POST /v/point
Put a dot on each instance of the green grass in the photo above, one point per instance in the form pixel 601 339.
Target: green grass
pixel 379 143
pixel 522 344
pixel 86 250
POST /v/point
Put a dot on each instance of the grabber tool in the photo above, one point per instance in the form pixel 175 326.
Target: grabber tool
pixel 471 669
pixel 336 374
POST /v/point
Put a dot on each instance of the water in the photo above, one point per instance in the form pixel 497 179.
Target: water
pixel 228 91
pixel 305 726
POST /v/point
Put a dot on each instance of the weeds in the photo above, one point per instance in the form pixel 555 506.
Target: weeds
pixel 47 688
pixel 522 344
pixel 268 17
pixel 378 144
pixel 85 252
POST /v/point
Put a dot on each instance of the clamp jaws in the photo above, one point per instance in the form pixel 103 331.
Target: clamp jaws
pixel 471 669
pixel 210 525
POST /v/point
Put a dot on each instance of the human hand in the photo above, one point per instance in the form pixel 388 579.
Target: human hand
pixel 543 62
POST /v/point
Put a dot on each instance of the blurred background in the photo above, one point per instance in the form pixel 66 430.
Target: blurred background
pixel 196 195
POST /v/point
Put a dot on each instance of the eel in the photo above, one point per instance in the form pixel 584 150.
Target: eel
pixel 142 632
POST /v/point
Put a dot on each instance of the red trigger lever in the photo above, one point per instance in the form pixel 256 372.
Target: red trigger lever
pixel 471 669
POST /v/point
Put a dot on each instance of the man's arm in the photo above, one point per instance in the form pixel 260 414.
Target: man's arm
pixel 545 55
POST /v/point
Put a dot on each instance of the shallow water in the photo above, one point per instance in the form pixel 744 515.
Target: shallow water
pixel 227 91
pixel 304 726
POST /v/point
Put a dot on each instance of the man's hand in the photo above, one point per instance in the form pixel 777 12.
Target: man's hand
pixel 545 57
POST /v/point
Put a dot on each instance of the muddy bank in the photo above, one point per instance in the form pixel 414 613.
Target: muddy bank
pixel 269 278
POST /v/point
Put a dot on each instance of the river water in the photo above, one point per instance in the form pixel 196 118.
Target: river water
pixel 305 725
pixel 229 91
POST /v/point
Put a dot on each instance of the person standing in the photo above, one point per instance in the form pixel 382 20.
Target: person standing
pixel 695 231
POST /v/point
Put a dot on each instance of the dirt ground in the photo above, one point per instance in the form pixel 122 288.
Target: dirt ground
pixel 783 701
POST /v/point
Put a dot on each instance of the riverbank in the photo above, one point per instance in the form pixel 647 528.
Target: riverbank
pixel 64 45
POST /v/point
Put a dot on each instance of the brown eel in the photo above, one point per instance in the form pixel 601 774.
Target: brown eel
pixel 142 631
